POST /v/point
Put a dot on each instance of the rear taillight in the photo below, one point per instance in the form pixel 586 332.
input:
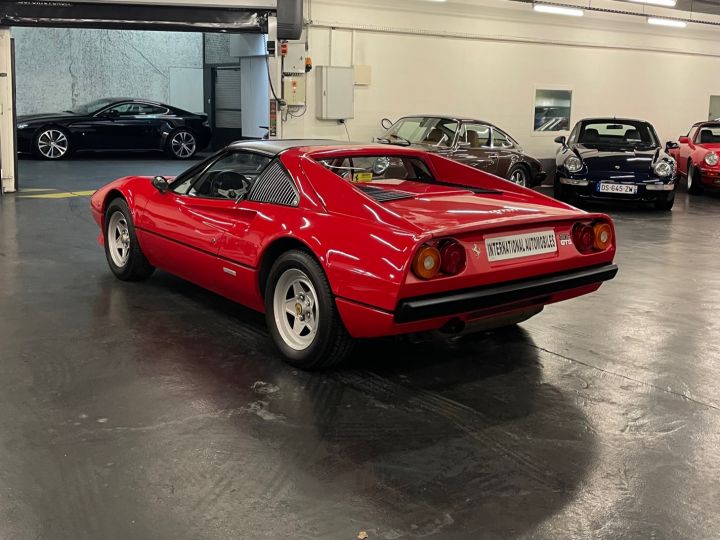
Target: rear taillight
pixel 447 256
pixel 592 238
pixel 453 257
pixel 426 264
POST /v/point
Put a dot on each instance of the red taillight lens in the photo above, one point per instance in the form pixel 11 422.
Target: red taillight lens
pixel 453 257
pixel 583 237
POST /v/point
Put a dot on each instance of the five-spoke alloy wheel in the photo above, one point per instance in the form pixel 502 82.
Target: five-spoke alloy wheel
pixel 301 313
pixel 122 250
pixel 518 175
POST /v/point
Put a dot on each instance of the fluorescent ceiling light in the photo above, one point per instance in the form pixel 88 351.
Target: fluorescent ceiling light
pixel 666 3
pixel 558 10
pixel 666 22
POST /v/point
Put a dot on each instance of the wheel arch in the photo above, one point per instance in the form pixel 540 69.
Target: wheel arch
pixel 273 251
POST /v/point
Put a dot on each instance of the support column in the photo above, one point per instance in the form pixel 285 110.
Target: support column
pixel 8 155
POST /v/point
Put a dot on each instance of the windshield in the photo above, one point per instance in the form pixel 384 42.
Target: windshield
pixel 426 131
pixel 618 133
pixel 368 169
pixel 93 106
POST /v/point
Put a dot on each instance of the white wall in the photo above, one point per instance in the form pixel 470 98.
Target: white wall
pixel 7 143
pixel 486 60
pixel 91 64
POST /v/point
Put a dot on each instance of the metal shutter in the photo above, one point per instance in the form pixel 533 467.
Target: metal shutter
pixel 228 103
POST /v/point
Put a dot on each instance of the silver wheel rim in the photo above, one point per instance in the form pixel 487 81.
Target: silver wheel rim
pixel 183 144
pixel 118 239
pixel 518 177
pixel 53 144
pixel 295 309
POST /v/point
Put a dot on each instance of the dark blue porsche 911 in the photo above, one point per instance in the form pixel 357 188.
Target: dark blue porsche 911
pixel 611 159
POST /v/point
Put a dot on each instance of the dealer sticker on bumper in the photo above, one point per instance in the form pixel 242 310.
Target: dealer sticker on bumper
pixel 501 248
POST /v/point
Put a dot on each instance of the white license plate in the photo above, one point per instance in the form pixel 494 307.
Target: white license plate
pixel 627 189
pixel 501 248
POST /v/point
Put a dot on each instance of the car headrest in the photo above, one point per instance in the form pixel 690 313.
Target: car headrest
pixel 632 135
pixel 706 136
pixel 591 135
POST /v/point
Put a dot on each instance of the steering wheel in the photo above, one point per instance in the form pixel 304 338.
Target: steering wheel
pixel 230 185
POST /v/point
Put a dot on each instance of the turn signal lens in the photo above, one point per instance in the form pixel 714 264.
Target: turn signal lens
pixel 603 236
pixel 583 237
pixel 453 257
pixel 426 264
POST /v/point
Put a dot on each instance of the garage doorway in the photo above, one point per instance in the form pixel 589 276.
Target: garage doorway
pixel 227 105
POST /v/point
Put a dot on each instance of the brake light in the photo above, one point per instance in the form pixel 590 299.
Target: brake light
pixel 583 236
pixel 453 257
pixel 603 236
pixel 426 264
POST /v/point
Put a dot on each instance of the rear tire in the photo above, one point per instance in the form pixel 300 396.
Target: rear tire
pixel 694 183
pixel 122 250
pixel 519 175
pixel 301 314
pixel 181 144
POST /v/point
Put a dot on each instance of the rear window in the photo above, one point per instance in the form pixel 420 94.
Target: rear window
pixel 368 169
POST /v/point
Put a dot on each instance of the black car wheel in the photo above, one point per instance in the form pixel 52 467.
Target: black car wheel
pixel 694 184
pixel 301 314
pixel 122 249
pixel 519 175
pixel 182 144
pixel 52 143
pixel 665 206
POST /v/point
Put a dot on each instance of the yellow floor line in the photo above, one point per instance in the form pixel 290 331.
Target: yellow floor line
pixel 60 195
pixel 30 190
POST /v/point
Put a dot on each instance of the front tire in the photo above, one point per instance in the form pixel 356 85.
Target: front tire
pixel 301 314
pixel 665 206
pixel 122 250
pixel 694 183
pixel 52 143
pixel 181 144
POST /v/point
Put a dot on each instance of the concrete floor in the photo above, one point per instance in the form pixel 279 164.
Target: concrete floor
pixel 160 411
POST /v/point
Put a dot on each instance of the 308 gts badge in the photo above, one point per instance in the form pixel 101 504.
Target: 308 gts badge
pixel 565 239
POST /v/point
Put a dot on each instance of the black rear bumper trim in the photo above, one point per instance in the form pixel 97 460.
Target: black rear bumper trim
pixel 429 307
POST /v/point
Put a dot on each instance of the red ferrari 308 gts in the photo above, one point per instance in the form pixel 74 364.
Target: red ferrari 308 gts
pixel 335 242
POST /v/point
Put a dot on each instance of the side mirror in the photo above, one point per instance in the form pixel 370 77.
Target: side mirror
pixel 561 140
pixel 386 123
pixel 671 145
pixel 683 139
pixel 161 184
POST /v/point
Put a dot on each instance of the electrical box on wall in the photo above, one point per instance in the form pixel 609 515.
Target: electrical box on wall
pixel 294 63
pixel 294 91
pixel 335 87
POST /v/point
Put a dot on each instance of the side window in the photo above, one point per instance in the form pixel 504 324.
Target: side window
pixel 693 133
pixel 120 110
pixel 229 177
pixel 501 140
pixel 147 109
pixel 475 135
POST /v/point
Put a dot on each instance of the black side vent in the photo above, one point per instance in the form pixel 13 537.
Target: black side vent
pixel 384 195
pixel 275 186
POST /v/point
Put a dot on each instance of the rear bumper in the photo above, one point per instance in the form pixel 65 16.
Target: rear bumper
pixel 416 309
pixel 483 303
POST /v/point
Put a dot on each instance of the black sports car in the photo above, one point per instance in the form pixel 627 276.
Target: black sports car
pixel 114 124
pixel 610 159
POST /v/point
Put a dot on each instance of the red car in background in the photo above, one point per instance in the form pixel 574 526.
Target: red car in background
pixel 697 157
pixel 335 242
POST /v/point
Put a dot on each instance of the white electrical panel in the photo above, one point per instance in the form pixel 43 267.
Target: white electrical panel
pixel 294 90
pixel 294 63
pixel 335 87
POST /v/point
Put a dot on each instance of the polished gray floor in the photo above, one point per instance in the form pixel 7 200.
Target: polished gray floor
pixel 157 410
